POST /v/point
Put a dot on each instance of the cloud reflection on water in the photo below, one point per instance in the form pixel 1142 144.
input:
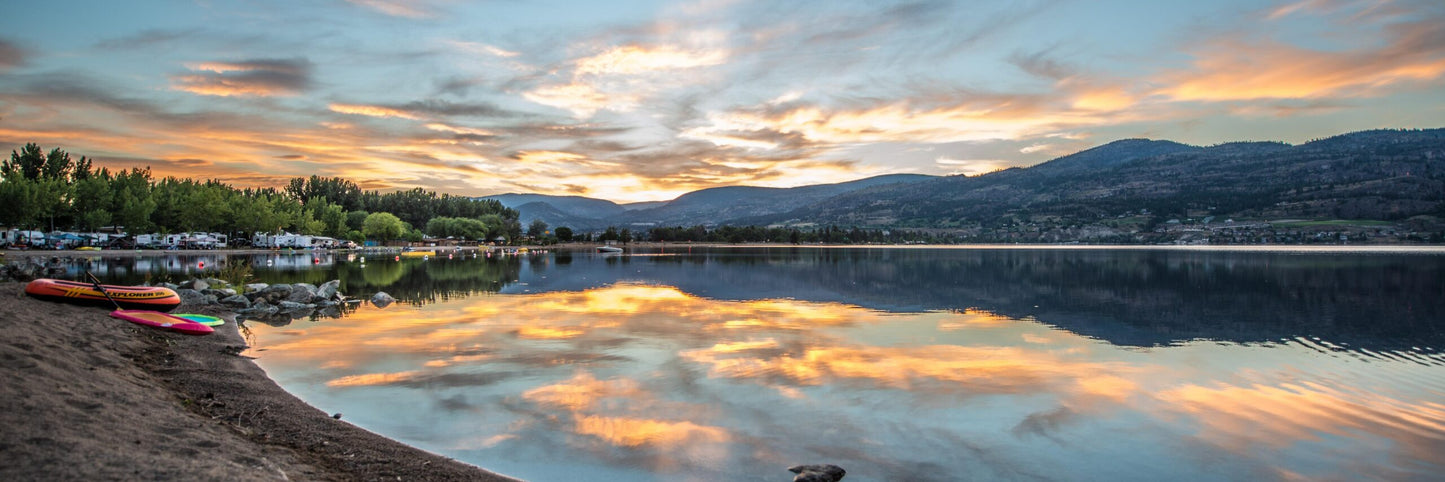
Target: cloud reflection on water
pixel 648 376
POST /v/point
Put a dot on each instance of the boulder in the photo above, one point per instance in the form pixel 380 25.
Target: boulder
pixel 817 473
pixel 191 297
pixel 258 309
pixel 195 284
pixel 169 285
pixel 302 293
pixel 236 301
pixel 256 287
pixel 382 300
pixel 329 290
pixel 290 306
pixel 274 293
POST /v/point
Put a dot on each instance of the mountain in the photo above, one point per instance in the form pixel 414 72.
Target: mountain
pixel 725 204
pixel 576 212
pixel 1383 174
pixel 707 206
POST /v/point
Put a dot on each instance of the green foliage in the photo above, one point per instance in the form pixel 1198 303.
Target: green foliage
pixel 537 229
pixel 382 226
pixel 460 228
pixel 564 234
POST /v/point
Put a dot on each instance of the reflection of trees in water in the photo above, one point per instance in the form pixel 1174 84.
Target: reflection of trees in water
pixel 1128 297
pixel 412 281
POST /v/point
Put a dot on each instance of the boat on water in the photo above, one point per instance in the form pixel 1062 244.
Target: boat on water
pixel 609 249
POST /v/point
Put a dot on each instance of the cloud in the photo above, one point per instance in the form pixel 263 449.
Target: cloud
pixel 581 99
pixel 424 109
pixel 11 55
pixel 145 39
pixel 636 59
pixel 248 78
pixel 397 8
pixel 1412 54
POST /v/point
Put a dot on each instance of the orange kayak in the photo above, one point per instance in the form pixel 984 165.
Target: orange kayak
pixel 129 297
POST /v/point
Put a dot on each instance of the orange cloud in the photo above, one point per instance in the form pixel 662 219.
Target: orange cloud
pixel 582 99
pixel 371 111
pixel 253 78
pixel 1236 70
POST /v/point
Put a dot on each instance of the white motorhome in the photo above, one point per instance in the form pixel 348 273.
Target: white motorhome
pixel 18 237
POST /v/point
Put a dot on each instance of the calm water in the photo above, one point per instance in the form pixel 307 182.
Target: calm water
pixel 896 364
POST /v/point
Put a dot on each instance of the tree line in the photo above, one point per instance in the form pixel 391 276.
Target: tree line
pixel 51 191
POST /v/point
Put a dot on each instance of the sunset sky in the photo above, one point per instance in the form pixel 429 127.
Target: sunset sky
pixel 641 100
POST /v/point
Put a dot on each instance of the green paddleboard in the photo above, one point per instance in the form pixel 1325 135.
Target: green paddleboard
pixel 207 320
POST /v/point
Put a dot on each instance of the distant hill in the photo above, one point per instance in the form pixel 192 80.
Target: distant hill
pixel 707 206
pixel 1116 189
pixel 1383 174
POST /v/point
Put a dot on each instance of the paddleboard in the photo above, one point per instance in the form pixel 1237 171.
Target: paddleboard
pixel 207 320
pixel 128 297
pixel 163 321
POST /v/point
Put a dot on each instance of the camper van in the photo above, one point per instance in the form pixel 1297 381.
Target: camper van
pixel 20 237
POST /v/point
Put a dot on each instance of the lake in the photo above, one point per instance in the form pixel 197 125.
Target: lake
pixel 894 363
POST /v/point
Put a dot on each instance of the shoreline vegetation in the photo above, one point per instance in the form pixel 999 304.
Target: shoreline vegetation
pixel 88 397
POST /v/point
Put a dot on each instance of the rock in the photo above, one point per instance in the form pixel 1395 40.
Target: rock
pixel 195 284
pixel 169 285
pixel 329 312
pixel 256 287
pixel 236 301
pixel 274 293
pixel 290 306
pixel 382 300
pixel 258 309
pixel 329 290
pixel 219 294
pixel 817 473
pixel 302 293
pixel 195 298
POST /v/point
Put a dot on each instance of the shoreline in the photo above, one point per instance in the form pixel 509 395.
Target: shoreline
pixel 17 254
pixel 92 397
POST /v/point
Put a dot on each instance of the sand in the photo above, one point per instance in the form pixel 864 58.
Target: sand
pixel 89 397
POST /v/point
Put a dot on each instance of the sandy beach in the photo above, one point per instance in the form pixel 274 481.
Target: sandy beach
pixel 90 397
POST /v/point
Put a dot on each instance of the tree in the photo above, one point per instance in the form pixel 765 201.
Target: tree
pixel 609 235
pixel 383 226
pixel 25 163
pixel 626 236
pixel 564 234
pixel 537 229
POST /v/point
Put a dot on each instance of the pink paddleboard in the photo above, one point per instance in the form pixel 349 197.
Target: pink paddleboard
pixel 162 320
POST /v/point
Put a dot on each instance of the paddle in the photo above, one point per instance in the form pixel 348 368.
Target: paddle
pixel 96 282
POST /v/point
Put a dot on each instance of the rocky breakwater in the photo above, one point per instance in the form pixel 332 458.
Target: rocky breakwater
pixel 273 304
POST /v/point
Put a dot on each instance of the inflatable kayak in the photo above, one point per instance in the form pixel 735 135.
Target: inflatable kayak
pixel 128 297
pixel 162 320
pixel 207 320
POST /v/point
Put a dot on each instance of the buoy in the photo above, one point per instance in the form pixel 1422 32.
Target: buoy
pixel 200 265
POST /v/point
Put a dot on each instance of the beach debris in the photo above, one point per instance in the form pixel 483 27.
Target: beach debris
pixel 817 473
pixel 382 300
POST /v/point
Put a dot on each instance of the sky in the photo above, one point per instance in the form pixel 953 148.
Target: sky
pixel 646 100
